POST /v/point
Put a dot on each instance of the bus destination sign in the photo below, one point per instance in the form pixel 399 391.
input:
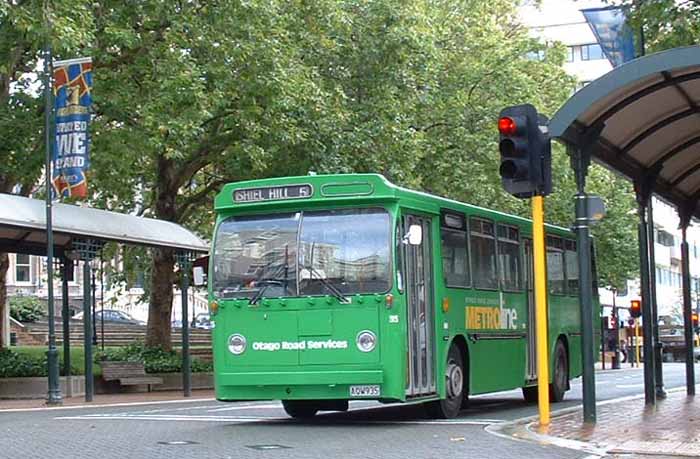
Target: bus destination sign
pixel 272 193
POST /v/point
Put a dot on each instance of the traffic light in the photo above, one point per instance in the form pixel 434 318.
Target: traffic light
pixel 526 157
pixel 636 308
pixel 696 324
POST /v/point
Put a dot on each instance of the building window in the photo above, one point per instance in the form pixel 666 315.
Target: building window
pixel 571 258
pixel 591 52
pixel 664 238
pixel 22 268
pixel 538 55
pixel 570 54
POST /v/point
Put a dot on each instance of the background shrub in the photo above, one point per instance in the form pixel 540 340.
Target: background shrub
pixel 26 308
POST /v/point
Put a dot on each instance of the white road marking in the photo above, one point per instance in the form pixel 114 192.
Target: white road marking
pixel 629 386
pixel 245 407
pixel 248 419
pixel 107 405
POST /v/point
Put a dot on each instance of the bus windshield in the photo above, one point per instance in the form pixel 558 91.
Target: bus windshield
pixel 331 252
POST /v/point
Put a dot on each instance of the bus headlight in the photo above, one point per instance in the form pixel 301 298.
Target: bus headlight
pixel 366 341
pixel 236 344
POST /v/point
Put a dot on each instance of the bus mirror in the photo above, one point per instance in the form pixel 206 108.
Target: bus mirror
pixel 199 276
pixel 414 235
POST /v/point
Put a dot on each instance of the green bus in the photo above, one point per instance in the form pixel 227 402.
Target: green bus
pixel 330 288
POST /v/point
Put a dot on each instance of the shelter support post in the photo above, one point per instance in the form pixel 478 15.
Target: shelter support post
pixel 580 161
pixel 687 306
pixel 87 332
pixel 658 346
pixel 184 260
pixel 66 266
pixel 87 249
pixel 649 372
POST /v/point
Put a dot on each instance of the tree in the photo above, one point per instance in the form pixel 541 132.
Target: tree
pixel 22 34
pixel 666 23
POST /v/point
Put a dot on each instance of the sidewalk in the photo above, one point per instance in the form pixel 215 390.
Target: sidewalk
pixel 672 428
pixel 110 399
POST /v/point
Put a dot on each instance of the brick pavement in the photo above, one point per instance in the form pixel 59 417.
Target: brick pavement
pixel 671 428
pixel 110 399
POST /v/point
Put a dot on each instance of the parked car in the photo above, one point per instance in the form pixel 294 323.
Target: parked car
pixel 203 321
pixel 112 315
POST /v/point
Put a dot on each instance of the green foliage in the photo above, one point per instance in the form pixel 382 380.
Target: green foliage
pixel 16 365
pixel 155 359
pixel 26 308
pixel 666 23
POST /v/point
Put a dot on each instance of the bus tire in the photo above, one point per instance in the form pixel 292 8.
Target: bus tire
pixel 450 406
pixel 560 378
pixel 300 409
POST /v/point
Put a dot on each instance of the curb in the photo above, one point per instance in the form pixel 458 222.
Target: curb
pixel 523 429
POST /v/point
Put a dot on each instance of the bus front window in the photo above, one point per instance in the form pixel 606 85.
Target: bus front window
pixel 345 250
pixel 340 252
pixel 252 253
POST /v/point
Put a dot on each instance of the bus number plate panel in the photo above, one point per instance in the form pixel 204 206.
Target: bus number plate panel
pixel 365 391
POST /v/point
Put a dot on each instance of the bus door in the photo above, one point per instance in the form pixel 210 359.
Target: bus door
pixel 421 311
pixel 531 326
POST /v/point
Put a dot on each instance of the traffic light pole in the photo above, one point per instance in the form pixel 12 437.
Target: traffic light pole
pixel 540 308
pixel 580 159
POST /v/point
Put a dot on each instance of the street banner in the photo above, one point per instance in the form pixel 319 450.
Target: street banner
pixel 614 35
pixel 72 84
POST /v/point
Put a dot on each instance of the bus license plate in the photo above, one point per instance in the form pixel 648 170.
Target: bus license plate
pixel 364 391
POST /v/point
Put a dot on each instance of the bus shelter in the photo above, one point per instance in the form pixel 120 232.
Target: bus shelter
pixel 642 120
pixel 79 234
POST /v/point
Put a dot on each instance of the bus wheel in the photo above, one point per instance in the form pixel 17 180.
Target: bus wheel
pixel 560 378
pixel 454 388
pixel 300 409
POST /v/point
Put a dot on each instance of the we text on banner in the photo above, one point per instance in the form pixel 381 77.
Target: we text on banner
pixel 72 82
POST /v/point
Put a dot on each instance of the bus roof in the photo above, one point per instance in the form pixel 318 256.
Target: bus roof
pixel 292 192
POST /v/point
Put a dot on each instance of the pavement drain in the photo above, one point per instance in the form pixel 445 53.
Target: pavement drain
pixel 178 443
pixel 267 447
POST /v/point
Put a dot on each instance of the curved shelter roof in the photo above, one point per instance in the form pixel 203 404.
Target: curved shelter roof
pixel 642 119
pixel 23 227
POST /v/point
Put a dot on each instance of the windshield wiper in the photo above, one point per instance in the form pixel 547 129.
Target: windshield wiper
pixel 329 285
pixel 255 298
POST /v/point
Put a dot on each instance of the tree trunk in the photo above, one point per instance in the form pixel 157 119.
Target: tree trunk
pixel 158 331
pixel 4 266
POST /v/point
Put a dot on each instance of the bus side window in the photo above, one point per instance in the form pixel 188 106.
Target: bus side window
pixel 482 244
pixel 455 260
pixel 571 258
pixel 509 258
pixel 556 279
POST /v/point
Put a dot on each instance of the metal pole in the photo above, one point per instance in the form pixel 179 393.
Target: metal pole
pixel 602 341
pixel 649 373
pixel 93 298
pixel 186 374
pixel 54 395
pixel 636 342
pixel 102 301
pixel 658 346
pixel 540 308
pixel 87 332
pixel 580 163
pixel 65 312
pixel 616 335
pixel 687 313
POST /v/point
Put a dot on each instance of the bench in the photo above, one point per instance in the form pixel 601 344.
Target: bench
pixel 128 374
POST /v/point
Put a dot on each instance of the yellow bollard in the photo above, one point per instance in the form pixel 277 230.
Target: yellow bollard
pixel 540 308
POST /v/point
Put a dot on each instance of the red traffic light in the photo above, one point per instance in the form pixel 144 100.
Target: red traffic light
pixel 507 126
pixel 635 308
pixel 695 319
